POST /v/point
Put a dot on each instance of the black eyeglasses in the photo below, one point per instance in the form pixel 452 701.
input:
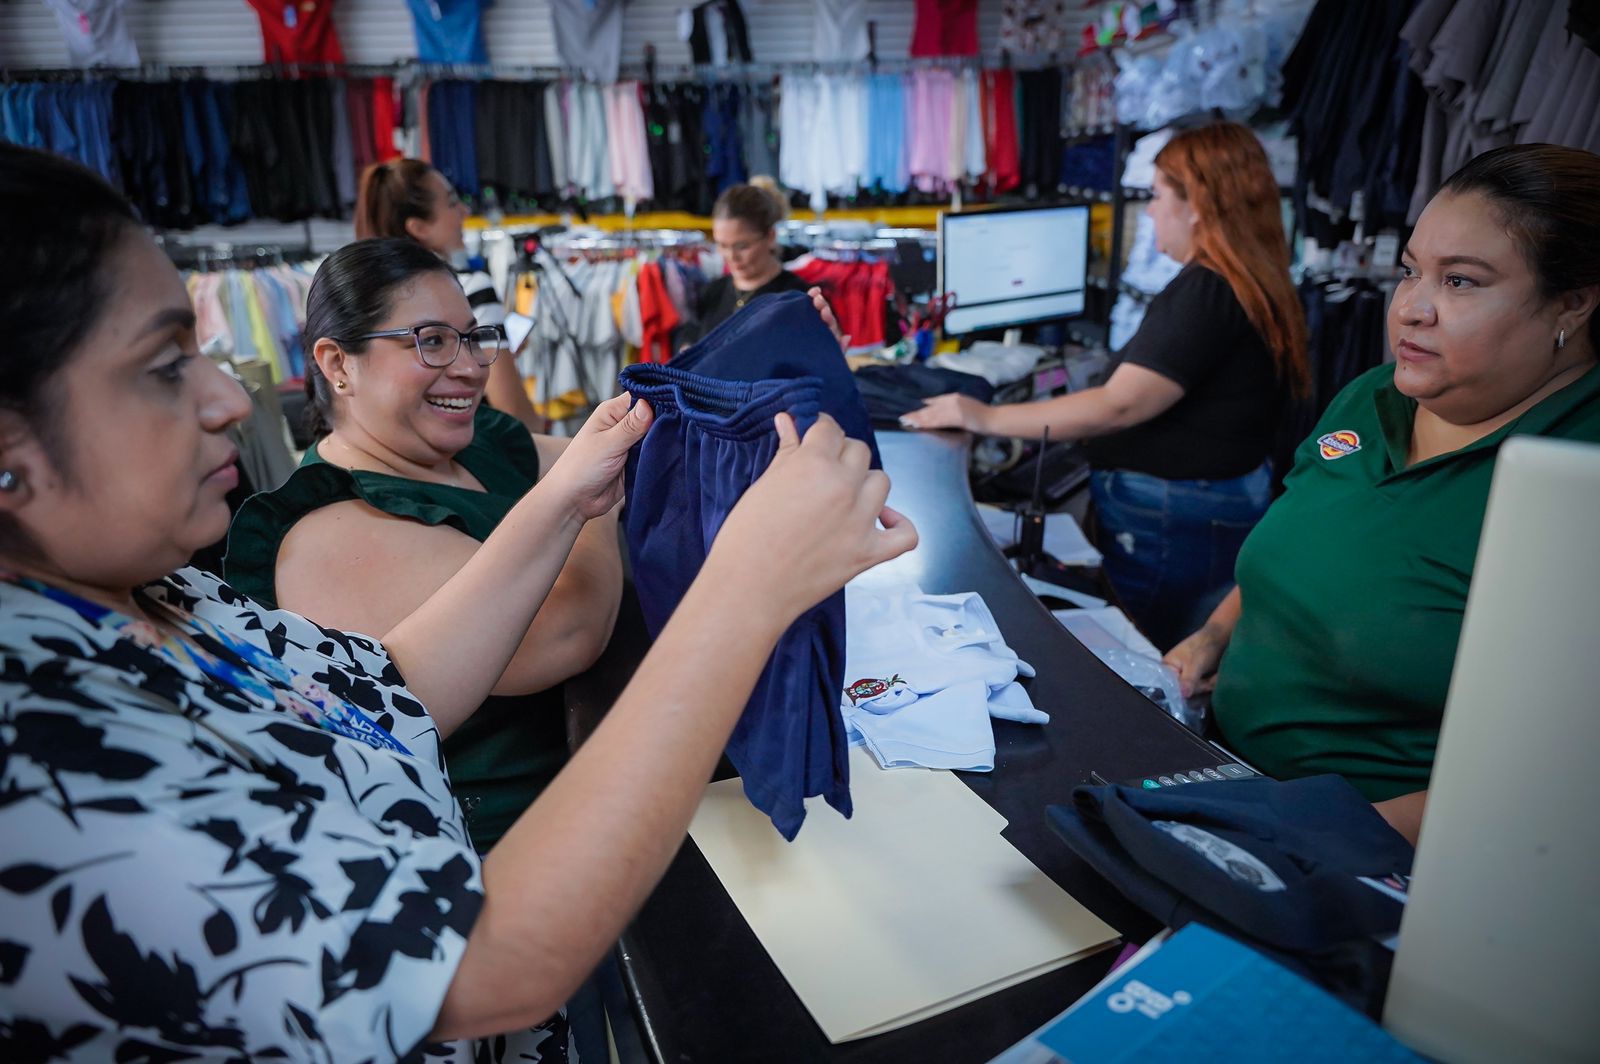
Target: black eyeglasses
pixel 438 345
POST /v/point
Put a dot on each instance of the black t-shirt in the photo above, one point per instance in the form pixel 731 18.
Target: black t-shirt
pixel 1196 333
pixel 720 301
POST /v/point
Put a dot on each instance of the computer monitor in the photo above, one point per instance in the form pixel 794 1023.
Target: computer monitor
pixel 1499 954
pixel 1013 266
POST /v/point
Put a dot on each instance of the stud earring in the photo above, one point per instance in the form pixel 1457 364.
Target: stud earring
pixel 339 385
pixel 9 481
pixel 1561 339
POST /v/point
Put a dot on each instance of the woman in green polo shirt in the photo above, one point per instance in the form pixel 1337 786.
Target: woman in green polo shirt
pixel 1341 634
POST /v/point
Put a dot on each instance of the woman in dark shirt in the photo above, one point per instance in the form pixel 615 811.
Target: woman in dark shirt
pixel 744 228
pixel 1184 425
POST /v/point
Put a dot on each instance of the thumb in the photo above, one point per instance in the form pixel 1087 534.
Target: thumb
pixel 609 413
pixel 788 435
pixel 898 536
pixel 637 422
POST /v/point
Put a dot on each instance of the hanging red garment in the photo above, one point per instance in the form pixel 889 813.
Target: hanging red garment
pixel 358 103
pixel 945 27
pixel 384 119
pixel 657 316
pixel 858 292
pixel 1000 130
pixel 298 31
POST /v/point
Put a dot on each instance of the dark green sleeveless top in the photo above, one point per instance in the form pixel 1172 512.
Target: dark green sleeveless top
pixel 511 747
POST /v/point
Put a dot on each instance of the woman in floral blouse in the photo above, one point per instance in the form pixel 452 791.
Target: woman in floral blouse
pixel 225 832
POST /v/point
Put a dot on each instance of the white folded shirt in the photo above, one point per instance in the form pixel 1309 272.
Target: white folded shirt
pixel 923 675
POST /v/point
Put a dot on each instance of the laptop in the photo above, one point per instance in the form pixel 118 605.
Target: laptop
pixel 1499 953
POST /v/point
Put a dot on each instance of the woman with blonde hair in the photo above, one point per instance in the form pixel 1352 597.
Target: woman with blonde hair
pixel 1182 429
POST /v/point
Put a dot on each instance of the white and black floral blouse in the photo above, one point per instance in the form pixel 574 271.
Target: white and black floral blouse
pixel 189 871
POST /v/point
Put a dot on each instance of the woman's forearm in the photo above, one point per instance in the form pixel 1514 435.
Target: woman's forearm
pixel 1225 618
pixel 603 833
pixel 574 624
pixel 1081 415
pixel 453 648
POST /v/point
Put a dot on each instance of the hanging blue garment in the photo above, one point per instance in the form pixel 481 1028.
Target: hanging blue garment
pixel 449 31
pixel 225 191
pixel 779 337
pixel 709 442
pixel 453 133
pixel 51 113
pixel 887 165
pixel 724 151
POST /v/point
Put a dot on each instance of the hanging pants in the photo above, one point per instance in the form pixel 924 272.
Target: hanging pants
pixel 709 442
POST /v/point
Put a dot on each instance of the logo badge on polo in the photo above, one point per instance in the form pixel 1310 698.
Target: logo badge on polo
pixel 867 689
pixel 1338 444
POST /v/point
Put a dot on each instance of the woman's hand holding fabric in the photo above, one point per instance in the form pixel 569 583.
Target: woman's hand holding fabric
pixel 809 523
pixel 589 471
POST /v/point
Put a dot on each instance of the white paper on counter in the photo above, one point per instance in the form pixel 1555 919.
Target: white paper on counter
pixel 914 906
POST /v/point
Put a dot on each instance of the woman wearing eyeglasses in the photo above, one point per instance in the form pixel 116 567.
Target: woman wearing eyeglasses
pixel 408 199
pixel 409 475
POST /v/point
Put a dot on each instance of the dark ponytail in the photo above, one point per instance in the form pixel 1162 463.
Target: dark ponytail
pixel 353 291
pixel 1549 199
pixel 391 194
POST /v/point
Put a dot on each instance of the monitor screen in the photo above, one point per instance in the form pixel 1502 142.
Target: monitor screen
pixel 1012 267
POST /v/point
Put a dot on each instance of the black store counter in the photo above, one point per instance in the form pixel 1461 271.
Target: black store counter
pixel 703 987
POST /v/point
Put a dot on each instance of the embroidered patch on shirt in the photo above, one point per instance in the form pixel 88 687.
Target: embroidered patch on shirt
pixel 1338 444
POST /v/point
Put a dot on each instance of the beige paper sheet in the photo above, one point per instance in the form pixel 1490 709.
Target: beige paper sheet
pixel 914 906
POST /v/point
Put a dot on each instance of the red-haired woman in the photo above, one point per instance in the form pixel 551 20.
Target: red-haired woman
pixel 1183 427
pixel 409 200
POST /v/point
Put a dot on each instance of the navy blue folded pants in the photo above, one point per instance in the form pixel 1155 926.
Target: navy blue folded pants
pixel 780 337
pixel 1269 861
pixel 709 442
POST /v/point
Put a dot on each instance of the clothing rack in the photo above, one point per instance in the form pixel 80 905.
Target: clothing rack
pixel 628 240
pixel 206 257
pixel 407 69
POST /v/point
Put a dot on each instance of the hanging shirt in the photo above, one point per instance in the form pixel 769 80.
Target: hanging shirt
pixel 1001 156
pixel 657 316
pixel 840 30
pixel 588 144
pixel 1038 27
pixel 298 31
pixel 928 118
pixel 945 27
pixel 718 34
pixel 555 129
pixel 449 31
pixel 588 36
pixel 886 134
pixel 626 143
pixel 95 32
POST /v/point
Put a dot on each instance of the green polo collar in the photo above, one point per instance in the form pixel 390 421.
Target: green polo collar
pixel 1396 411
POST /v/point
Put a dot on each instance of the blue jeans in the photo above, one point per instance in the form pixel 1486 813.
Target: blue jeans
pixel 1170 545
